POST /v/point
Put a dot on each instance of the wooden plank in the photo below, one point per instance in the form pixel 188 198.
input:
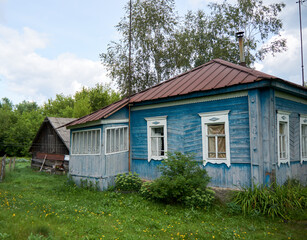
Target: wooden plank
pixel 10 164
pixel 14 160
pixel 2 169
pixel 50 156
pixel 43 163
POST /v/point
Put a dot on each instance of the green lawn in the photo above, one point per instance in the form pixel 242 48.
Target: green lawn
pixel 34 203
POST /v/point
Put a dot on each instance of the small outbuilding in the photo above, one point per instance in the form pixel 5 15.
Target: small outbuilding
pixel 50 147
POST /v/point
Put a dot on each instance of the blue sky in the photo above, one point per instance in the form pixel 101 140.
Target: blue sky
pixel 52 46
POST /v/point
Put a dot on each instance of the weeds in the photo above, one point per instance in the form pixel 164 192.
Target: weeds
pixel 274 201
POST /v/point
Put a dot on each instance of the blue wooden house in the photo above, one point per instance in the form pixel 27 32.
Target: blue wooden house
pixel 243 125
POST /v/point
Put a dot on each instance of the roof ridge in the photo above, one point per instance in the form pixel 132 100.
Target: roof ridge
pixel 245 69
pixel 175 77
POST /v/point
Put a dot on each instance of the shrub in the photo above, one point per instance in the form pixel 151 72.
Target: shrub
pixel 182 181
pixel 200 198
pixel 128 182
pixel 273 201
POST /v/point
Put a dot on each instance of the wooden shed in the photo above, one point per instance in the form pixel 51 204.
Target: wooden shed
pixel 50 147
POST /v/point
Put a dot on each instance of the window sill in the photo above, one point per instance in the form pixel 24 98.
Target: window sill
pixel 116 152
pixel 284 161
pixel 217 161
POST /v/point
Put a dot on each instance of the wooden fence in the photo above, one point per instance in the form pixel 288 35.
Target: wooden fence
pixel 2 166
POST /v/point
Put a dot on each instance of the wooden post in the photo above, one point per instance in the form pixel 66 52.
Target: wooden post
pixel 43 163
pixel 10 164
pixel 14 163
pixel 2 170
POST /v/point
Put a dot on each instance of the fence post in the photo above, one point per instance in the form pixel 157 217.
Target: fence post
pixel 10 164
pixel 14 163
pixel 2 170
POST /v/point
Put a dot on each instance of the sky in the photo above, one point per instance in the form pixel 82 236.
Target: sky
pixel 51 47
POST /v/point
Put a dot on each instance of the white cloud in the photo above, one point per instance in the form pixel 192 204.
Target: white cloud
pixel 286 65
pixel 26 75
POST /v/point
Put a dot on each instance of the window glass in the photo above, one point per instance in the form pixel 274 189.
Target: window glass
pixel 215 137
pixel 157 143
pixel 283 144
pixel 86 142
pixel 116 140
pixel 156 137
pixel 216 141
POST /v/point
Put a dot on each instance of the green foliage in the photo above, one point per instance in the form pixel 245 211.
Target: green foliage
pixel 182 181
pixel 43 204
pixel 61 106
pixel 200 198
pixel 128 182
pixel 164 44
pixel 153 24
pixel 18 126
pixel 20 123
pixel 274 201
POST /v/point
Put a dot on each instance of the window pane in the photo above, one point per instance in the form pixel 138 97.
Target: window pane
pixel 157 131
pixel 216 129
pixel 98 141
pixel 125 138
pixel 211 147
pixel 221 144
pixel 282 127
pixel 283 140
pixel 117 140
pixel 154 146
pixel 161 146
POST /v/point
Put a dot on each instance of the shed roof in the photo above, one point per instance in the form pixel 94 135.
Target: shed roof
pixel 215 74
pixel 63 132
pixel 58 125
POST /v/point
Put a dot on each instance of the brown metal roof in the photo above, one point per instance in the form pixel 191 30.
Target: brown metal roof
pixel 102 113
pixel 215 74
pixel 212 75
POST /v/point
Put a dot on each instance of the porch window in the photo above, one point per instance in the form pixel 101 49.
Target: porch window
pixel 303 140
pixel 86 142
pixel 116 140
pixel 156 138
pixel 215 137
pixel 283 137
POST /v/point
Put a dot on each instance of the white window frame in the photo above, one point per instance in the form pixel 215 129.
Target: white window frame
pixel 283 117
pixel 153 122
pixel 88 146
pixel 303 121
pixel 215 118
pixel 117 128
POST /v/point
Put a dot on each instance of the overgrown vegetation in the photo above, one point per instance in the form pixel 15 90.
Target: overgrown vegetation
pixel 36 205
pixel 182 181
pixel 164 44
pixel 285 201
pixel 19 123
pixel 128 182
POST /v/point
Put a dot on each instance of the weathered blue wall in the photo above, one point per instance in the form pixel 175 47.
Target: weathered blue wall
pixel 296 169
pixel 184 134
pixel 100 169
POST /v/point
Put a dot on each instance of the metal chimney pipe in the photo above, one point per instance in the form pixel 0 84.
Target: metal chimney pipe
pixel 240 37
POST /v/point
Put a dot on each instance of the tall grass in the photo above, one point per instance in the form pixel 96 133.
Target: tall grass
pixel 275 201
pixel 36 205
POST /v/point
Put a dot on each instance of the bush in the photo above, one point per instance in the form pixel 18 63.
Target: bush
pixel 182 181
pixel 128 182
pixel 273 201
